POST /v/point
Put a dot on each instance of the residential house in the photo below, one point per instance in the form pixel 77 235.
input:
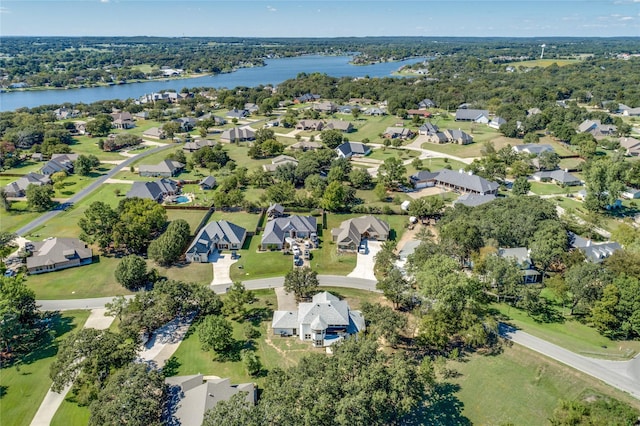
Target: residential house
pixel 64 113
pixel 213 237
pixel 348 109
pixel 325 106
pixel 496 122
pixel 123 120
pixel 218 121
pixel 458 136
pixel 594 252
pixel 208 182
pixel 437 137
pixel 54 254
pixel 310 125
pixel 630 193
pixel 426 103
pixel 474 200
pixel 142 115
pixel 197 144
pixel 187 124
pixel 477 115
pixel 275 210
pixel 596 128
pixel 80 127
pixel 532 148
pixel 19 187
pixel 238 113
pixel 375 111
pixel 353 231
pixel 278 230
pixel 559 177
pixel 251 108
pixel 36 156
pixel 154 133
pixel 306 145
pixel 523 260
pixel 631 112
pixel 419 112
pixel 190 397
pixel 165 168
pixel 157 190
pixel 238 134
pixel 428 129
pixel 631 146
pixel 349 149
pixel 324 321
pixel 343 126
pixel 308 97
pixel 59 163
pixel 398 133
pixel 278 161
pixel 454 181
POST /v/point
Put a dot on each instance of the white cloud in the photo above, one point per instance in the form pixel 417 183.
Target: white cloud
pixel 626 18
pixel 271 9
pixel 104 1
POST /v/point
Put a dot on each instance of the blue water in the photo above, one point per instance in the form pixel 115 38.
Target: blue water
pixel 275 72
pixel 182 199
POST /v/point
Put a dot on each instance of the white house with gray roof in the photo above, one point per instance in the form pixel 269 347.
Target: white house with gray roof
pixel 532 148
pixel 522 258
pixel 477 115
pixel 190 397
pixel 215 236
pixel 54 254
pixel 559 177
pixel 349 149
pixel 19 187
pixel 594 252
pixel 238 134
pixel 165 168
pixel 278 230
pixel 324 321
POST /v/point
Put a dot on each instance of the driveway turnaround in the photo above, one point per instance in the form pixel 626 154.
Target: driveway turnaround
pixel 53 400
pixel 366 262
pixel 622 375
pixel 221 266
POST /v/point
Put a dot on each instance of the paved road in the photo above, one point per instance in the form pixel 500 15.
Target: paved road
pixel 623 375
pixel 86 191
pixel 73 304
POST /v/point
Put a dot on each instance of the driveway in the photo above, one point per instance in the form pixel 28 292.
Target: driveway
pixel 221 266
pixel 366 262
pixel 286 301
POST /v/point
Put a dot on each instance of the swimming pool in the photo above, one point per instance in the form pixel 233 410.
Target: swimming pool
pixel 182 199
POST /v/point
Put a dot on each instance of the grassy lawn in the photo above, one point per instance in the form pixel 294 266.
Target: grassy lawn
pixel 545 62
pixel 94 280
pixel 74 183
pixel 474 149
pixel 382 154
pixel 193 217
pixel 18 217
pixel 355 297
pixel 89 146
pixel 25 167
pixel 248 221
pixel 70 414
pixel 435 164
pixel 521 387
pixel 24 387
pixel 571 163
pixel 370 127
pixel 571 335
pixel 201 273
pixel 254 264
pixel 541 188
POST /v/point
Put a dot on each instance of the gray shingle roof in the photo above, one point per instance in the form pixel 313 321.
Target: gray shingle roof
pixel 471 114
pixel 468 182
pixel 353 148
pixel 533 148
pixel 165 166
pixel 239 133
pixel 274 232
pixel 215 233
pixel 595 252
pixel 57 250
pixel 351 230
pixel 474 200
pixel 559 176
pixel 155 190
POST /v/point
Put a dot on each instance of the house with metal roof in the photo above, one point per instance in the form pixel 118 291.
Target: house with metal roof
pixel 278 230
pixel 477 115
pixel 54 254
pixel 165 168
pixel 324 321
pixel 190 397
pixel 350 149
pixel 459 181
pixel 213 237
pixel 352 231
pixel 157 190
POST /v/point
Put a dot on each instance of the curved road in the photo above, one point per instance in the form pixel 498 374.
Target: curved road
pixel 86 191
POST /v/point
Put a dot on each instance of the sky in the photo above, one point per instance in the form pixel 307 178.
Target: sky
pixel 301 18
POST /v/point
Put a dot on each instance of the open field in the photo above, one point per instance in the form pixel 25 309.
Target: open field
pixel 201 273
pixel 18 216
pixel 545 62
pixel 371 127
pixel 471 150
pixel 89 146
pixel 540 188
pixel 521 387
pixel 24 386
pixel 572 335
pixel 254 264
pixel 94 280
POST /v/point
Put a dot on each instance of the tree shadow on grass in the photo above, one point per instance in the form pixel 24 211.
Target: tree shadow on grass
pixel 171 367
pixel 54 325
pixel 3 390
pixel 443 409
pixel 257 315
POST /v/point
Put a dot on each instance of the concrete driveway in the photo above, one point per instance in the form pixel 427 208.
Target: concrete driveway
pixel 221 266
pixel 365 262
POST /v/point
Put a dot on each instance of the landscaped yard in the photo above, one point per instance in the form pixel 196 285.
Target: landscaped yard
pixel 474 149
pixel 572 335
pixel 193 217
pixel 195 272
pixel 521 387
pixel 248 221
pixel 540 188
pixel 18 217
pixel 253 264
pixel 384 153
pixel 24 386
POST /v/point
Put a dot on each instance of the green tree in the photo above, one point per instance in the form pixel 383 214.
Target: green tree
pixel 301 282
pixel 548 160
pixel 85 163
pixel 384 321
pixel 334 197
pixel 237 297
pixel 132 396
pixel 385 258
pixel 39 198
pixel 131 272
pixel 461 238
pixel 316 185
pixel 98 223
pixel 235 412
pixel 251 362
pixel 4 200
pixel 394 287
pixel 216 333
pixel 586 282
pixel 171 128
pixel 392 172
pixel 381 191
pixel 281 192
pixel 332 138
pixel 100 125
pixel 521 186
pixel 549 244
pixel 169 246
pixel 18 317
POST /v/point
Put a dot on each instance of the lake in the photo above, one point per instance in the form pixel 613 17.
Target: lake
pixel 275 72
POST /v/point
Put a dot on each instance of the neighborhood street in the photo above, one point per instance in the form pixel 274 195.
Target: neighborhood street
pixel 86 191
pixel 624 375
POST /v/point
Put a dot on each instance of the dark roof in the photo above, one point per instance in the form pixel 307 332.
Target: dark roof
pixel 153 190
pixel 353 148
pixel 474 200
pixel 471 114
